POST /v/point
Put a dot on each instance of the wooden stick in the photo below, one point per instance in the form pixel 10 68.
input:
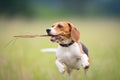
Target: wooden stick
pixel 30 36
pixel 34 36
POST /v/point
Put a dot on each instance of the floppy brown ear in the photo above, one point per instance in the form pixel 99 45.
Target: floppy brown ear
pixel 75 34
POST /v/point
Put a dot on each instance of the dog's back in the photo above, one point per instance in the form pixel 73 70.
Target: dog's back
pixel 84 48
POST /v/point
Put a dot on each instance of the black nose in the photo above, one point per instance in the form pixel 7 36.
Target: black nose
pixel 48 30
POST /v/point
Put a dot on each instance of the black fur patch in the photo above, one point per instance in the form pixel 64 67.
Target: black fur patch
pixel 85 49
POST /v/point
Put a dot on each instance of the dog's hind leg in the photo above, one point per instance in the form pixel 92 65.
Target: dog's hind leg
pixel 69 71
pixel 86 71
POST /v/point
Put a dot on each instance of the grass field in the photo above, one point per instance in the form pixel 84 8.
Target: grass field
pixel 22 59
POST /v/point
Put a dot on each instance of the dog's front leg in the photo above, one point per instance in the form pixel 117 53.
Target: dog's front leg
pixel 60 66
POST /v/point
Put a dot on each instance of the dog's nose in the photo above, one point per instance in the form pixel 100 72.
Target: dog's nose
pixel 48 30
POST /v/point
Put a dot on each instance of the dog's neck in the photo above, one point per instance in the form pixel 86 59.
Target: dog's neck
pixel 66 43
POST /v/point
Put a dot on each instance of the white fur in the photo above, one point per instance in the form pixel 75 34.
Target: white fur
pixel 71 56
pixel 53 32
pixel 60 66
pixel 84 60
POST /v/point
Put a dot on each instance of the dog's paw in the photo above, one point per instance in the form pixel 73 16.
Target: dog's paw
pixel 85 64
pixel 60 66
pixel 62 69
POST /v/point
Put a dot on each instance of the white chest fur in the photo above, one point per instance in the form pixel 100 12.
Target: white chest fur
pixel 70 56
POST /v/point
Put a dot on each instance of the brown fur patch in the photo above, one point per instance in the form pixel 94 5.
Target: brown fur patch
pixel 62 28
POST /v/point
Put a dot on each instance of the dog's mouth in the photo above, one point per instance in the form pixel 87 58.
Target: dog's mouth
pixel 55 38
pixel 58 37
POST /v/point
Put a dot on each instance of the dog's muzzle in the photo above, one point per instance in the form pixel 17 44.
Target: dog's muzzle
pixel 54 37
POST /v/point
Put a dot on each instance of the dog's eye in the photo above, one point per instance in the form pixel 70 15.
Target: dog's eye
pixel 60 26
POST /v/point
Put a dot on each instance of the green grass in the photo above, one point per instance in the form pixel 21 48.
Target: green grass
pixel 22 60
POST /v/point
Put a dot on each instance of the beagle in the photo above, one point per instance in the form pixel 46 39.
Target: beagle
pixel 70 54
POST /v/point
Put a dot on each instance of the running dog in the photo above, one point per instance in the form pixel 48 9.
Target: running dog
pixel 70 54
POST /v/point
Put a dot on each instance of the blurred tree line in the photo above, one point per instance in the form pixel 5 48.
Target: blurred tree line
pixel 42 8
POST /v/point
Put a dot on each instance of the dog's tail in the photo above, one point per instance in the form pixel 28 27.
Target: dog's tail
pixel 49 50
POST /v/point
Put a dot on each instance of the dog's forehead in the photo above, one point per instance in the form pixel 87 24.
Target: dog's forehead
pixel 64 24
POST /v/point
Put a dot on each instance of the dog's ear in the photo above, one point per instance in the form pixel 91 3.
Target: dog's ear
pixel 75 34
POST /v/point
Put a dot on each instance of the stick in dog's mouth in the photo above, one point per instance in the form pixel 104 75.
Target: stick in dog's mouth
pixel 34 36
pixel 30 36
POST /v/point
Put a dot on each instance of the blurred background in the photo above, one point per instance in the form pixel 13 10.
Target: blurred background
pixel 55 8
pixel 97 20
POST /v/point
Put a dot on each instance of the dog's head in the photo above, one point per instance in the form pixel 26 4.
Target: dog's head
pixel 62 31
